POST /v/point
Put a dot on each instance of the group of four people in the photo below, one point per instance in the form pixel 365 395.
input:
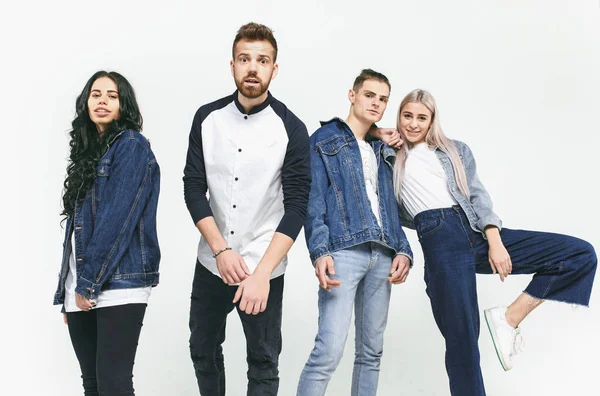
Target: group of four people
pixel 266 179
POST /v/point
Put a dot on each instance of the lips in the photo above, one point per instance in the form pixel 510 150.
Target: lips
pixel 101 111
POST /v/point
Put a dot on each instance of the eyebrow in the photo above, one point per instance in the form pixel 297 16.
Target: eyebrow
pixel 110 90
pixel 418 115
pixel 371 92
pixel 259 55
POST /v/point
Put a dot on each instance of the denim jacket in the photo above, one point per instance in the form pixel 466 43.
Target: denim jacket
pixel 116 244
pixel 339 212
pixel 478 207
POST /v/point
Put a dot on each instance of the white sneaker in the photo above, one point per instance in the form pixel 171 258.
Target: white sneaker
pixel 507 340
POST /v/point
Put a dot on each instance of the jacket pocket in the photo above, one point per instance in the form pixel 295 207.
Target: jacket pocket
pixel 102 175
pixel 332 153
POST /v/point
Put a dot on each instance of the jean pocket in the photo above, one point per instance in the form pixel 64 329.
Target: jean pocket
pixel 427 227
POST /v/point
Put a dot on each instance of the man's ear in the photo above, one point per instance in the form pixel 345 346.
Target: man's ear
pixel 351 96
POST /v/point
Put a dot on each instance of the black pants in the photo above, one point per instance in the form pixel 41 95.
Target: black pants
pixel 105 341
pixel 211 303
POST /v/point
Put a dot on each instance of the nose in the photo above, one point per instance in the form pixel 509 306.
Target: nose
pixel 102 99
pixel 413 123
pixel 252 66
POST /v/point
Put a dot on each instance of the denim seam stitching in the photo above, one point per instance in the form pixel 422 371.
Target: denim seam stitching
pixel 547 291
pixel 362 336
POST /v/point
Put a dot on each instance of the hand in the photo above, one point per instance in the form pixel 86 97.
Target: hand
pixel 65 319
pixel 324 266
pixel 391 137
pixel 232 267
pixel 500 260
pixel 399 270
pixel 84 303
pixel 254 293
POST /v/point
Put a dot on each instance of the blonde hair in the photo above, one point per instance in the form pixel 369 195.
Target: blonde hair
pixel 435 138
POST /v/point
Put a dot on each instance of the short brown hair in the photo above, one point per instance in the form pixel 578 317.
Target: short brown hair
pixel 255 32
pixel 369 74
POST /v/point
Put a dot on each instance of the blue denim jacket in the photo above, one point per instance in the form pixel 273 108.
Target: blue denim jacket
pixel 116 244
pixel 339 212
pixel 478 207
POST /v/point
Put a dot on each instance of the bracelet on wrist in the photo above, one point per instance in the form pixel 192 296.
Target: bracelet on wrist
pixel 221 251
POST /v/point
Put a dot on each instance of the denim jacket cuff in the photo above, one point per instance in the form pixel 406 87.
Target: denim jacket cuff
pixel 87 289
pixel 318 253
pixel 492 220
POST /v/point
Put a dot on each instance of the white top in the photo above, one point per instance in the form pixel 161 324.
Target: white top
pixel 369 162
pixel 106 298
pixel 425 184
pixel 244 158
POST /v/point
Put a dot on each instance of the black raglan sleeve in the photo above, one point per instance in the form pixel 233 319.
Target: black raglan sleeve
pixel 195 185
pixel 295 179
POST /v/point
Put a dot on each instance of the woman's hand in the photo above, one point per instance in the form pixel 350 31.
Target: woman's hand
pixel 497 254
pixel 83 303
pixel 500 260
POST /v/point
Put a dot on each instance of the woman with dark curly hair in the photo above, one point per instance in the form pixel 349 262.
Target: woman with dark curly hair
pixel 111 253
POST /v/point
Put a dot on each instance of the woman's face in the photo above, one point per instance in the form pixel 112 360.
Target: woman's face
pixel 103 103
pixel 415 120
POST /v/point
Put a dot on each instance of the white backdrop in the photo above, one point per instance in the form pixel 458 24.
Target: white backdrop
pixel 517 80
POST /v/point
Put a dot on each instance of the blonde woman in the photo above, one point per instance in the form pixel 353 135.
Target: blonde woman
pixel 441 196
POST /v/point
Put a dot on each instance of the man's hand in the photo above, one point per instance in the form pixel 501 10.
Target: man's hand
pixel 253 293
pixel 391 137
pixel 232 267
pixel 323 269
pixel 399 270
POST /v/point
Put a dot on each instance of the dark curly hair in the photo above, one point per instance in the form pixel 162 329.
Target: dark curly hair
pixel 87 146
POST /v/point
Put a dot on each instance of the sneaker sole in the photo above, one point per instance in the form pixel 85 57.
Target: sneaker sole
pixel 494 339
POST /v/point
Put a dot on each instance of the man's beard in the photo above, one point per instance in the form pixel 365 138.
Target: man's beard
pixel 251 92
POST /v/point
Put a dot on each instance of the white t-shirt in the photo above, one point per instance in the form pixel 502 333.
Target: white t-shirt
pixel 106 298
pixel 425 184
pixel 370 170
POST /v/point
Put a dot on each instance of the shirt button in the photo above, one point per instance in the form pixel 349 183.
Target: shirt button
pixel 239 150
pixel 234 206
pixel 236 179
pixel 232 232
pixel 245 117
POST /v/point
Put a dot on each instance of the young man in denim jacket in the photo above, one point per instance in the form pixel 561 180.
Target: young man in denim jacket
pixel 355 239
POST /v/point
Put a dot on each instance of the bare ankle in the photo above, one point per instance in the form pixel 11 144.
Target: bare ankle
pixel 511 318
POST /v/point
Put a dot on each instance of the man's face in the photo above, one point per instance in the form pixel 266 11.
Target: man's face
pixel 253 67
pixel 370 102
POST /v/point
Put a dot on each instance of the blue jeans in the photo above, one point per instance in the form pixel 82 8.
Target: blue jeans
pixel 563 268
pixel 363 270
pixel 210 305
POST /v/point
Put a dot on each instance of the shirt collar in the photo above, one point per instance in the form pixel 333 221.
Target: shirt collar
pixel 255 109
